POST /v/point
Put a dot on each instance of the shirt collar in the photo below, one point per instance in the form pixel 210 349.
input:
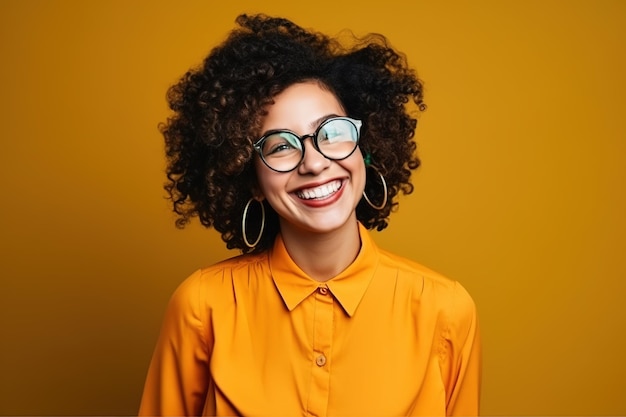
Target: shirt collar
pixel 294 285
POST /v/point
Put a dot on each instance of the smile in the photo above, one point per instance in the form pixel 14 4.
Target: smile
pixel 319 192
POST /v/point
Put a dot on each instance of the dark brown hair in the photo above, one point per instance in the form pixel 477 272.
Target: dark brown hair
pixel 218 107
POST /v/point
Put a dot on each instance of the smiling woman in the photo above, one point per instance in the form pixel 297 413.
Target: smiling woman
pixel 292 145
pixel 317 197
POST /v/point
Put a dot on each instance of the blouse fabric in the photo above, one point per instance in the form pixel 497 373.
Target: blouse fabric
pixel 255 336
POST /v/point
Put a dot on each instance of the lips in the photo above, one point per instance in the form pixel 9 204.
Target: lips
pixel 321 192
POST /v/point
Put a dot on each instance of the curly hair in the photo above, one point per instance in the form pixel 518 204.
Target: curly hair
pixel 218 109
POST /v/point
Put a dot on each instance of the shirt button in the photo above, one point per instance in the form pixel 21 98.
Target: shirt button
pixel 320 360
pixel 323 290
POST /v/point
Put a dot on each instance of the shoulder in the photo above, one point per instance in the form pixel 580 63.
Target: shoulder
pixel 415 272
pixel 430 289
pixel 226 270
pixel 206 285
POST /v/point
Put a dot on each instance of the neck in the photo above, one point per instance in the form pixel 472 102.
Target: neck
pixel 322 256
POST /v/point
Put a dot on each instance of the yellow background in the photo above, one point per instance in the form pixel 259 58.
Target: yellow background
pixel 520 197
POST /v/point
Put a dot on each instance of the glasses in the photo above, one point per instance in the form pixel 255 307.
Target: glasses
pixel 283 150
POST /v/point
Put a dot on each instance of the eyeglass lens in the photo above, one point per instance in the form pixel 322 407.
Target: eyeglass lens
pixel 336 139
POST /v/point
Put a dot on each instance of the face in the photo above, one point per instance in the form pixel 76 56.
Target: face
pixel 320 195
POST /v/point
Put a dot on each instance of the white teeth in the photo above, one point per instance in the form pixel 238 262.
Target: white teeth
pixel 320 192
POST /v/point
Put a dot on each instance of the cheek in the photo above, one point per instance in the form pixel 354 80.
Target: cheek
pixel 357 167
pixel 267 180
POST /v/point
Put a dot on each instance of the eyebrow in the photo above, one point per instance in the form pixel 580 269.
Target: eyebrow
pixel 315 123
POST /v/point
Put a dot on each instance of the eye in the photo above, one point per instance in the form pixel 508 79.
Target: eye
pixel 335 131
pixel 280 143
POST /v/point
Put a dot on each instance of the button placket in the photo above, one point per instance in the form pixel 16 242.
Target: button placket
pixel 321 350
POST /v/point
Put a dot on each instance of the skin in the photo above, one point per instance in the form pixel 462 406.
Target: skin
pixel 320 234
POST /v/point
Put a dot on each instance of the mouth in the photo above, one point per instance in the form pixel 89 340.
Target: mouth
pixel 321 192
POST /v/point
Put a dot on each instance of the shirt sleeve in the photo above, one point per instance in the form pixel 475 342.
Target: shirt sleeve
pixel 462 365
pixel 178 375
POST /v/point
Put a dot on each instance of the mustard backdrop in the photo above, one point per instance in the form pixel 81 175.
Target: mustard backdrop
pixel 520 197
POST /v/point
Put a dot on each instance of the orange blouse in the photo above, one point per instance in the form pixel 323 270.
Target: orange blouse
pixel 254 335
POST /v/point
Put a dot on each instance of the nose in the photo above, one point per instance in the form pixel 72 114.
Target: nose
pixel 313 162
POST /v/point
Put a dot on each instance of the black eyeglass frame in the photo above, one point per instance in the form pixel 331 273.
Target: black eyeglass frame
pixel 258 145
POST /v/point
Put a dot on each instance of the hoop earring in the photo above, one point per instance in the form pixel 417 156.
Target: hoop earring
pixel 244 220
pixel 382 179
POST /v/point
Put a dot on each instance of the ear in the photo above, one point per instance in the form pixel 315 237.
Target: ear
pixel 255 189
pixel 257 194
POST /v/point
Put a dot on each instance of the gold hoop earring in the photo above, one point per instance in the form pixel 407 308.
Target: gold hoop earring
pixel 244 220
pixel 382 179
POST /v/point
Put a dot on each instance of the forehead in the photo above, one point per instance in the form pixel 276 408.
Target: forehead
pixel 300 107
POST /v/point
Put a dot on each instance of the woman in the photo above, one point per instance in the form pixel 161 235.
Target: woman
pixel 292 146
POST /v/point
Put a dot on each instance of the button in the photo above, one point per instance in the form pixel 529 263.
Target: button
pixel 323 290
pixel 320 360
